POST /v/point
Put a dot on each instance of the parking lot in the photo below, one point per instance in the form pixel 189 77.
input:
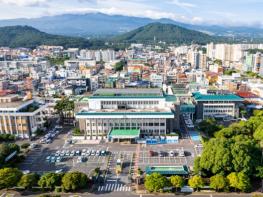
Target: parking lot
pixel 59 155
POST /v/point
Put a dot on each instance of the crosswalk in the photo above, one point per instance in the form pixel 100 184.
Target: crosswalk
pixel 116 187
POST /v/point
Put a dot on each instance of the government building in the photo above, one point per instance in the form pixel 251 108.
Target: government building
pixel 117 114
pixel 20 116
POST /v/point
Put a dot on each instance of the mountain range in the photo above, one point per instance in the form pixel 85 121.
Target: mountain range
pixel 29 37
pixel 102 25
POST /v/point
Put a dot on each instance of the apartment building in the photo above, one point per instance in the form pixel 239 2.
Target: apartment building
pixel 20 117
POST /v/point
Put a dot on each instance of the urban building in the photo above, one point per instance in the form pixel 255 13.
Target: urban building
pixel 126 110
pixel 225 106
pixel 21 117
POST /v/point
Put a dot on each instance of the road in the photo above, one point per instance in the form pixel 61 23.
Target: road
pixel 129 194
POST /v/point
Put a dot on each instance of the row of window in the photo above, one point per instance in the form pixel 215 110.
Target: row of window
pixel 130 102
pixel 217 101
pixel 217 111
pixel 128 124
pixel 142 131
pixel 216 106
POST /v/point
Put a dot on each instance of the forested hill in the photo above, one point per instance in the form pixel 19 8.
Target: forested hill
pixel 168 33
pixel 29 37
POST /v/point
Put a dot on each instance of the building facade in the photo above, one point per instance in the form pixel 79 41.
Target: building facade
pixel 20 117
pixel 126 109
pixel 217 105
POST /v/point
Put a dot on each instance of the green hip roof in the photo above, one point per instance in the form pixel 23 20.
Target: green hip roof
pixel 122 133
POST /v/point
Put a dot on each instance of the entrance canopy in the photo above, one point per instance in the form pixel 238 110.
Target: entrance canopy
pixel 124 134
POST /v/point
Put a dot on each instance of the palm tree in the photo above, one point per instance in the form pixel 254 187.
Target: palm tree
pixel 65 108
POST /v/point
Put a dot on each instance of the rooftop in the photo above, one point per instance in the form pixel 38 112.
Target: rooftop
pixel 128 93
pixel 124 133
pixel 15 104
pixel 168 170
pixel 216 97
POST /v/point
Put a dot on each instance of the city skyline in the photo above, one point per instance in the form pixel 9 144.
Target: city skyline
pixel 232 12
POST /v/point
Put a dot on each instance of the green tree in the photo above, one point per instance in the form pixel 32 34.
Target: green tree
pixel 239 181
pixel 216 156
pixel 25 145
pixel 197 168
pixel 28 180
pixel 65 108
pixel 259 170
pixel 155 182
pixel 245 154
pixel 258 135
pixel 50 180
pixel 177 182
pixel 218 182
pixel 196 182
pixel 209 126
pixel 9 177
pixel 119 66
pixel 73 181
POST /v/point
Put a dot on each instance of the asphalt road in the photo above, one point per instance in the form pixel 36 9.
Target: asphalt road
pixel 129 194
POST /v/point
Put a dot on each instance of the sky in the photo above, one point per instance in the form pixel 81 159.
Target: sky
pixel 218 12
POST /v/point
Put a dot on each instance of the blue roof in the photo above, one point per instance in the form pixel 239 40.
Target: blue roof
pixel 216 97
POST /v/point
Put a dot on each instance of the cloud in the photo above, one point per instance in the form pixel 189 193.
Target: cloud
pixel 182 4
pixel 25 2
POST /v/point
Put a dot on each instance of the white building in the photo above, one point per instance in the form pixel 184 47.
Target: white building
pixel 126 110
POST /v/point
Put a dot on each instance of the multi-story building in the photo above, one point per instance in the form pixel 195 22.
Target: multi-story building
pixel 20 117
pixel 146 110
pixel 217 105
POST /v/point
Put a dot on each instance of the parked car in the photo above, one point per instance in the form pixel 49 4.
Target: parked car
pixel 181 153
pixel 162 154
pixel 103 153
pixel 151 153
pixel 171 153
pixel 93 153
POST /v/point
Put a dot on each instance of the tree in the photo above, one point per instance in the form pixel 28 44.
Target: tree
pixel 239 181
pixel 258 135
pixel 177 181
pixel 197 168
pixel 50 180
pixel 65 108
pixel 25 145
pixel 216 156
pixel 28 180
pixel 196 182
pixel 119 66
pixel 218 182
pixel 73 181
pixel 155 182
pixel 9 177
pixel 209 126
pixel 245 155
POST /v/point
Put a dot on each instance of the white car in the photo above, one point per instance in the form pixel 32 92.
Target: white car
pixel 171 153
pixel 181 153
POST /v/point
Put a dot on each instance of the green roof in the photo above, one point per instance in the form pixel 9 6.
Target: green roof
pixel 216 97
pixel 126 96
pixel 170 98
pixel 124 133
pixel 167 170
pixel 125 113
